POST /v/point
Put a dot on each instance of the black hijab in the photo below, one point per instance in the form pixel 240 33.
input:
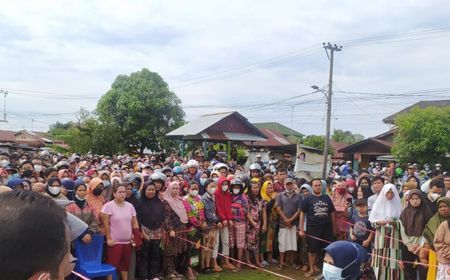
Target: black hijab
pixel 151 211
pixel 414 219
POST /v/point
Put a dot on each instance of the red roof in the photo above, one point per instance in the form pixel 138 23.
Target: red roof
pixel 336 147
pixel 274 139
pixel 7 136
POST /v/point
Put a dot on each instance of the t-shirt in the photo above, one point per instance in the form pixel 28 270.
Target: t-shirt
pixel 371 200
pixel 289 205
pixel 317 210
pixel 361 228
pixel 119 221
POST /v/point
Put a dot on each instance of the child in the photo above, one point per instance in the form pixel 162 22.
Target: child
pixel 361 232
pixel 377 185
pixel 239 206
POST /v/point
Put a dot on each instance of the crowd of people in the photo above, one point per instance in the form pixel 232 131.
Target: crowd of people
pixel 173 218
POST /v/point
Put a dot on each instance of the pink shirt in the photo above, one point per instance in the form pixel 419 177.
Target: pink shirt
pixel 119 221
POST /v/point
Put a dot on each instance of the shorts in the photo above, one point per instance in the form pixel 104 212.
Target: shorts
pixel 119 256
pixel 237 235
pixel 287 239
pixel 323 232
pixel 209 238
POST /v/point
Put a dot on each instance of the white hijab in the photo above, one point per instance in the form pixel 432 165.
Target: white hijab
pixel 384 209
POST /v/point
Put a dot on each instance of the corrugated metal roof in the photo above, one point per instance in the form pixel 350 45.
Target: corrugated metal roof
pixel 196 126
pixel 422 104
pixel 274 139
pixel 232 136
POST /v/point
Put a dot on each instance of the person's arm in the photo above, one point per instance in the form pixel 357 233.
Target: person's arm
pixel 134 223
pixel 333 222
pixel 442 249
pixel 295 216
pixel 264 219
pixel 301 222
pixel 351 234
pixel 105 219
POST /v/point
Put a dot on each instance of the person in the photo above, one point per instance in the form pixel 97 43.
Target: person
pixel 210 232
pixel 361 232
pixel 256 221
pixel 94 197
pixel 319 213
pixel 435 174
pixel 384 217
pixel 342 202
pixel 429 256
pixel 287 203
pixel 175 223
pixel 223 208
pixel 269 195
pixel 49 258
pixel 150 216
pixel 442 245
pixel 413 220
pixel 447 182
pixel 81 209
pixel 279 184
pixel 343 260
pixel 302 246
pixel 53 189
pixel 119 219
pixel 435 191
pixel 239 209
pixel 194 208
pixel 377 186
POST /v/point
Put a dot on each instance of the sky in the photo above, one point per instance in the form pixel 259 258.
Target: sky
pixel 257 57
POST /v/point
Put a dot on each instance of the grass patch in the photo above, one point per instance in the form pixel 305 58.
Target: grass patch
pixel 246 274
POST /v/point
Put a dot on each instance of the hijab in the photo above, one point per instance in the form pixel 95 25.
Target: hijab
pixel 414 219
pixel 151 210
pixel 348 255
pixel 264 193
pixel 176 203
pixel 78 202
pixel 305 186
pixel 69 186
pixel 61 173
pixel 384 209
pixel 340 200
pixel 50 182
pixel 435 221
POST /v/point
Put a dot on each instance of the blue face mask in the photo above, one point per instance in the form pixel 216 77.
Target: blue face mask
pixel 136 193
pixel 203 181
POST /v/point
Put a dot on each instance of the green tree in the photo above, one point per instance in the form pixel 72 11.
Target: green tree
pixel 423 136
pixel 346 136
pixel 141 109
pixel 316 141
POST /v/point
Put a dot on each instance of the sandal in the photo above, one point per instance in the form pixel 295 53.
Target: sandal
pixel 309 273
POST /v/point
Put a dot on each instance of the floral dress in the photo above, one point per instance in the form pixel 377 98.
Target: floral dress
pixel 255 209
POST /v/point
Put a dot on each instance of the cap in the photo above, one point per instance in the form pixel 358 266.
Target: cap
pixel 360 201
pixel 289 181
pixel 258 155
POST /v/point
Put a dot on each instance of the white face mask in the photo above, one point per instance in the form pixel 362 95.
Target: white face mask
pixel 331 272
pixel 236 191
pixel 54 190
pixel 211 190
pixel 38 168
pixel 216 180
pixel 79 198
pixel 433 196
pixel 193 192
pixel 224 188
pixel 351 190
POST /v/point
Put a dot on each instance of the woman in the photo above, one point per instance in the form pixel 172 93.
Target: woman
pixel 107 188
pixel 366 185
pixel 119 219
pixel 268 194
pixel 413 179
pixel 342 201
pixel 196 216
pixel 256 221
pixel 442 245
pixel 210 233
pixel 343 260
pixel 175 223
pixel 151 217
pixel 63 174
pixel 53 189
pixel 94 197
pixel 83 211
pixel 442 215
pixel 239 209
pixel 132 194
pixel 413 220
pixel 384 218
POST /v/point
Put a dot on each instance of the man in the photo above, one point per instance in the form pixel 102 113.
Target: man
pixel 447 182
pixel 377 185
pixel 279 184
pixel 435 174
pixel 287 207
pixel 26 169
pixel 273 163
pixel 410 171
pixel 320 217
pixel 259 161
pixel 436 190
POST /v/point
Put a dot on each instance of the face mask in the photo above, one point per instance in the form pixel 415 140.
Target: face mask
pixel 80 177
pixel 193 192
pixel 211 190
pixel 106 183
pixel 236 191
pixel 54 190
pixel 289 191
pixel 27 173
pixel 216 180
pixel 79 198
pixel 97 191
pixel 203 181
pixel 4 163
pixel 433 196
pixel 224 188
pixel 341 191
pixel 38 168
pixel 331 272
pixel 21 161
pixel 136 193
pixel 351 189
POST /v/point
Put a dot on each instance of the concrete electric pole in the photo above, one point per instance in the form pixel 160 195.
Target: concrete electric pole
pixel 332 48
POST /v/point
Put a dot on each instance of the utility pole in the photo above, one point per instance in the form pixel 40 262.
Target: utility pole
pixel 292 120
pixel 332 48
pixel 5 93
pixel 32 125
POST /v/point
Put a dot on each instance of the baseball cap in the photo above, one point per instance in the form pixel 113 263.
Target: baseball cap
pixel 289 181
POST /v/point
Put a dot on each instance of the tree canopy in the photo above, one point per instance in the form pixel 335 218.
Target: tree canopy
pixel 141 109
pixel 423 136
pixel 347 137
pixel 316 141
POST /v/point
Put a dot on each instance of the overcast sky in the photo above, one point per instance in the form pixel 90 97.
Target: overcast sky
pixel 58 56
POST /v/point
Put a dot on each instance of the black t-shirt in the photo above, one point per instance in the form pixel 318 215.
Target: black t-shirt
pixel 317 210
pixel 361 228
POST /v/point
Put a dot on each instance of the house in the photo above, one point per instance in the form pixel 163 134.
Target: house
pixel 422 104
pixel 24 140
pixel 292 135
pixel 337 156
